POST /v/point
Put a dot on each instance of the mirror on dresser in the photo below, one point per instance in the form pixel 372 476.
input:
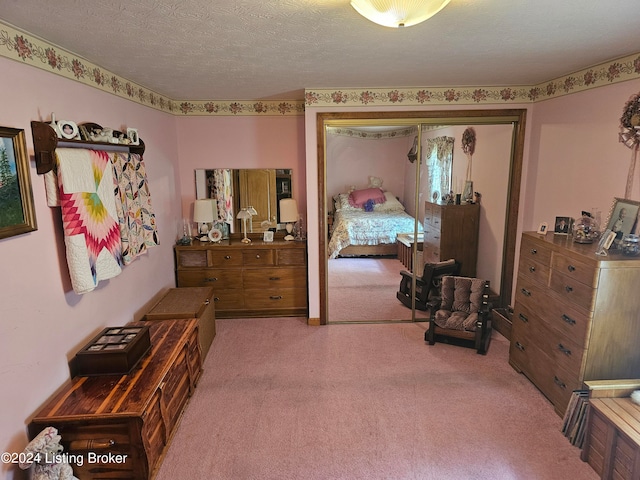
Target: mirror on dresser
pixel 234 189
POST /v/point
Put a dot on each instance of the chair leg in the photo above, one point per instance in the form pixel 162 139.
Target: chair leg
pixel 429 335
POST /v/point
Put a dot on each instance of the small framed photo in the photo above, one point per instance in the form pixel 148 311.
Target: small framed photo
pixel 267 236
pixel 132 135
pixel 605 242
pixel 623 218
pixel 68 130
pixel 542 228
pixel 563 225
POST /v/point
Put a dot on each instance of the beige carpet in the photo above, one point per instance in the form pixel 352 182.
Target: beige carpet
pixel 364 290
pixel 281 400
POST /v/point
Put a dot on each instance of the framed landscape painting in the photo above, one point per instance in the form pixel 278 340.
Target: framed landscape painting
pixel 17 214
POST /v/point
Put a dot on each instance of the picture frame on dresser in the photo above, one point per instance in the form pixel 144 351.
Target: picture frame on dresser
pixel 17 210
pixel 542 228
pixel 623 218
pixel 562 225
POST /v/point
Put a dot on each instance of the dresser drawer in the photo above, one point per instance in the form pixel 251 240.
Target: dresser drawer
pixel 228 300
pixel 281 298
pixel 532 250
pixel 258 257
pixel 275 278
pixel 575 269
pixel 218 278
pixel 569 289
pixel 569 321
pixel 530 267
pixel 292 256
pixel 225 258
pixel 191 258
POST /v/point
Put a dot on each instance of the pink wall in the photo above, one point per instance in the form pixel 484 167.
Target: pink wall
pixel 351 160
pixel 43 323
pixel 240 142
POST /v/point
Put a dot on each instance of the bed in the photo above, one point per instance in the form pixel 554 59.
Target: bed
pixel 360 231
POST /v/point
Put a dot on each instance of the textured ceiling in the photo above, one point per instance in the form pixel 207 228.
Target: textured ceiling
pixel 253 49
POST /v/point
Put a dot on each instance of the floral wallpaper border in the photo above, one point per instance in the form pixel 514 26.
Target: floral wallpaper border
pixel 28 49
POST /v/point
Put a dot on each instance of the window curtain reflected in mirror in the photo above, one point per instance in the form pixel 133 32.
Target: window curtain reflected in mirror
pixel 438 160
pixel 220 187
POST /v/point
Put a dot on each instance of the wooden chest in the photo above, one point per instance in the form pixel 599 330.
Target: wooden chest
pixel 189 302
pixel 260 279
pixel 135 415
pixel 576 316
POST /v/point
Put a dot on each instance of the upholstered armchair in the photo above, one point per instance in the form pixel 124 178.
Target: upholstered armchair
pixel 427 285
pixel 462 314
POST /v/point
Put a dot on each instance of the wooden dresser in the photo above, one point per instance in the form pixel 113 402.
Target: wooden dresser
pixel 135 415
pixel 260 279
pixel 576 316
pixel 451 231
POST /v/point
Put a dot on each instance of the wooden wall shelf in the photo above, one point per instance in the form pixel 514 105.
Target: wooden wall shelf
pixel 45 142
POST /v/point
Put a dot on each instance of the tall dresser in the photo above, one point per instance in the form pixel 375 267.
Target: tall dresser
pixel 576 316
pixel 260 279
pixel 451 231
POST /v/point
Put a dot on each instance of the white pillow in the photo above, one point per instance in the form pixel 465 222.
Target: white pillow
pixel 342 203
pixel 390 205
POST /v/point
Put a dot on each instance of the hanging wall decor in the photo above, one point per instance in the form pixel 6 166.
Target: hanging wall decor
pixel 468 147
pixel 630 136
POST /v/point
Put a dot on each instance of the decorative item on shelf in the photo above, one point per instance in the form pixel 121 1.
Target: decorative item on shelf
pixel 132 135
pixel 244 215
pixel 68 130
pixel 184 232
pixel 398 13
pixel 203 215
pixel 631 245
pixel 54 125
pixel 585 230
pixel 630 136
pixel 299 230
pixel 288 215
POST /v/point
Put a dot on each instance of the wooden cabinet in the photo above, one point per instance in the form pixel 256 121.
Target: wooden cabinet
pixel 576 316
pixel 258 189
pixel 612 440
pixel 260 279
pixel 133 415
pixel 451 231
pixel 191 302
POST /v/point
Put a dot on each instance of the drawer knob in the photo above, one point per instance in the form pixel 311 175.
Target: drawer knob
pixel 526 292
pixel 564 349
pixel 568 319
pixel 532 269
pixel 559 382
pixel 533 251
pixel 274 278
pixel 571 268
pixel 216 299
pixel 211 279
pixel 227 257
pixel 569 288
pixel 276 297
pixel 519 346
pixel 257 255
pixel 523 317
pixel 207 302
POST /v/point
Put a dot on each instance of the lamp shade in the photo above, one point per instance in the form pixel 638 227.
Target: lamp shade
pixel 288 210
pixel 398 13
pixel 243 214
pixel 203 210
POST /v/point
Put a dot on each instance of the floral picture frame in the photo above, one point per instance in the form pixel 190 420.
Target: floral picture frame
pixel 623 218
pixel 17 212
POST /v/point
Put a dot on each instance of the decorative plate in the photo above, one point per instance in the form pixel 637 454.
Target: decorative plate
pixel 215 234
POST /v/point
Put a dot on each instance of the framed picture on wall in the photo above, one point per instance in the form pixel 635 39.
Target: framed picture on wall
pixel 68 130
pixel 17 213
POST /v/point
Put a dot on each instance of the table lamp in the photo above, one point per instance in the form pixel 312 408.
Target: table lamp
pixel 203 215
pixel 288 215
pixel 244 215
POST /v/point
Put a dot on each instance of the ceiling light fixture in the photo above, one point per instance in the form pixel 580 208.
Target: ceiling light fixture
pixel 398 13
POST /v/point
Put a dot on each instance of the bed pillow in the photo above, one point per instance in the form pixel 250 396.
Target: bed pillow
pixel 342 202
pixel 392 204
pixel 358 198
